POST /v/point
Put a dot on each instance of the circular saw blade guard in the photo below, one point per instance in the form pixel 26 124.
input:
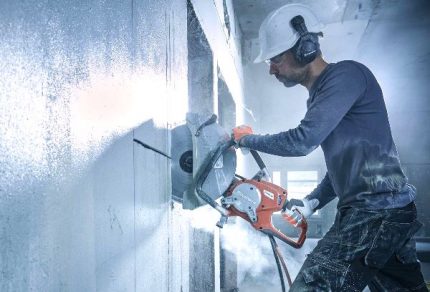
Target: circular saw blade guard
pixel 202 135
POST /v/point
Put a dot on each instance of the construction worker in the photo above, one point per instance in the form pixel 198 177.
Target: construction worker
pixel 371 241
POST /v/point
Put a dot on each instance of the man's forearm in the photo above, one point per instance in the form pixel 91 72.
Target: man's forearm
pixel 291 143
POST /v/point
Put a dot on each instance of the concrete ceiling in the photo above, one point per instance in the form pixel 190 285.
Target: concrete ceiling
pixel 251 13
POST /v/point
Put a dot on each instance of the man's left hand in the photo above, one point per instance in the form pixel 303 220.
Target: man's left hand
pixel 241 131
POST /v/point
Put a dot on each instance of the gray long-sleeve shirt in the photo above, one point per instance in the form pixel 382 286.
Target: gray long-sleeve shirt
pixel 346 115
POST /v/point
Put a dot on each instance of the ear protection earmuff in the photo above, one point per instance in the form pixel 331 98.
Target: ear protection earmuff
pixel 307 47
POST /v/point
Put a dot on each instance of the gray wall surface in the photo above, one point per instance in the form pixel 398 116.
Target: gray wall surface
pixel 83 207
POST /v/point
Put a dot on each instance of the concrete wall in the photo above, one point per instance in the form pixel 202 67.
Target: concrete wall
pixel 83 207
pixel 224 46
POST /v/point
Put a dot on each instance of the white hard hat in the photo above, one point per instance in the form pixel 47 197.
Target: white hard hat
pixel 276 34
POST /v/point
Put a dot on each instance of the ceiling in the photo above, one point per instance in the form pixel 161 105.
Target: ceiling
pixel 251 13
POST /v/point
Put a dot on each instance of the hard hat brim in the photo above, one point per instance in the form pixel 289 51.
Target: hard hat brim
pixel 276 35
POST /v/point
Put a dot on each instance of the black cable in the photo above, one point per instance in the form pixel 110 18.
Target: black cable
pixel 278 264
pixel 151 148
pixel 258 159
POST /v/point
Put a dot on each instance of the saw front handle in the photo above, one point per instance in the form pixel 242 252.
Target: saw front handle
pixel 272 230
pixel 265 225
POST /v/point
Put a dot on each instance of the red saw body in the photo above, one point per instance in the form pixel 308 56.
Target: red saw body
pixel 256 201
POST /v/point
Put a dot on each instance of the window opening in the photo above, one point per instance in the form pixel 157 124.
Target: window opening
pixel 301 183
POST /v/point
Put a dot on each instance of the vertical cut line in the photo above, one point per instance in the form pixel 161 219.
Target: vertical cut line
pixel 167 75
pixel 134 214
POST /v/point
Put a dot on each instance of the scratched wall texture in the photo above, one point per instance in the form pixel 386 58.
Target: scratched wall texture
pixel 82 207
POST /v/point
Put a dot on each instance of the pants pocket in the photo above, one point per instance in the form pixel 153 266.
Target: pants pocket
pixel 325 274
pixel 390 238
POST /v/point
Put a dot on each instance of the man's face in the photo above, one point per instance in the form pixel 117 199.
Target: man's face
pixel 286 69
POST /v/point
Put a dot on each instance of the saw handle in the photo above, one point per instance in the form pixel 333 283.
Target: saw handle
pixel 272 230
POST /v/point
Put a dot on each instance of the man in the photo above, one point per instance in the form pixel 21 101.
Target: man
pixel 370 242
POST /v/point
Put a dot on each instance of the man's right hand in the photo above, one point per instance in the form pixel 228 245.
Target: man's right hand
pixel 298 210
pixel 305 207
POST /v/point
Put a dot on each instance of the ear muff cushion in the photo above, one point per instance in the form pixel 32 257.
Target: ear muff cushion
pixel 307 47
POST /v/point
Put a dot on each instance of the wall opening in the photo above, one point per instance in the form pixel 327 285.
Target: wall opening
pixel 226 106
pixel 200 99
pixel 200 66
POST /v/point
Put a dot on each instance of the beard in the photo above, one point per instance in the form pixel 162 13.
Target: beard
pixel 288 81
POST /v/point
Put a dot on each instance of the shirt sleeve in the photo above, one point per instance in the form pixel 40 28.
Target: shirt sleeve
pixel 324 192
pixel 335 96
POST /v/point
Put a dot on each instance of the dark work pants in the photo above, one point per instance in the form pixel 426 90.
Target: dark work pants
pixel 365 247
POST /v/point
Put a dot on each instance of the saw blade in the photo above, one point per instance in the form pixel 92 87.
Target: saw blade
pixel 182 161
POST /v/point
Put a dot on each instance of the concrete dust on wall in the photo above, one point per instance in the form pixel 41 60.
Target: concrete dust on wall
pixel 82 208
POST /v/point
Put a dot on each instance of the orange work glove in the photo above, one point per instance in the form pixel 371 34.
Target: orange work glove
pixel 241 131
